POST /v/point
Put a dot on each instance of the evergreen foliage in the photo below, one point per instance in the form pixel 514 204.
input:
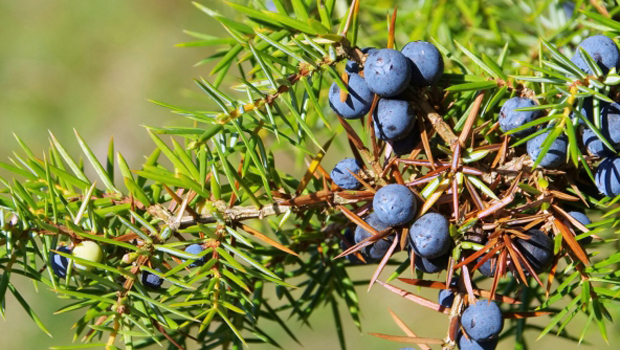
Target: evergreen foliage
pixel 221 185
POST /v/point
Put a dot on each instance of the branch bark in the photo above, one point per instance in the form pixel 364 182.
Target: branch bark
pixel 443 129
pixel 220 211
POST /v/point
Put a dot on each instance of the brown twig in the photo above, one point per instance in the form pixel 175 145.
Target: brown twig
pixel 442 128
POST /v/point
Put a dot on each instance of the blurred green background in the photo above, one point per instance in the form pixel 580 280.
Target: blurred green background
pixel 92 65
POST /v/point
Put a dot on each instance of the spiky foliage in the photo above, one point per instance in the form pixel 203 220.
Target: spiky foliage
pixel 220 183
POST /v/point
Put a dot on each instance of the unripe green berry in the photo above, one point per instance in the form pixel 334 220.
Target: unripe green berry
pixel 87 250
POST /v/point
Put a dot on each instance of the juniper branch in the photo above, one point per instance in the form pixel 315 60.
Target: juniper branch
pixel 343 50
pixel 219 211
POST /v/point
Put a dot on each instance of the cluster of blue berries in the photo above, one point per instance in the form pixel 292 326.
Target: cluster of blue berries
pixel 394 205
pixel 607 177
pixel 429 236
pixel 482 321
pixel 388 73
pixel 606 55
